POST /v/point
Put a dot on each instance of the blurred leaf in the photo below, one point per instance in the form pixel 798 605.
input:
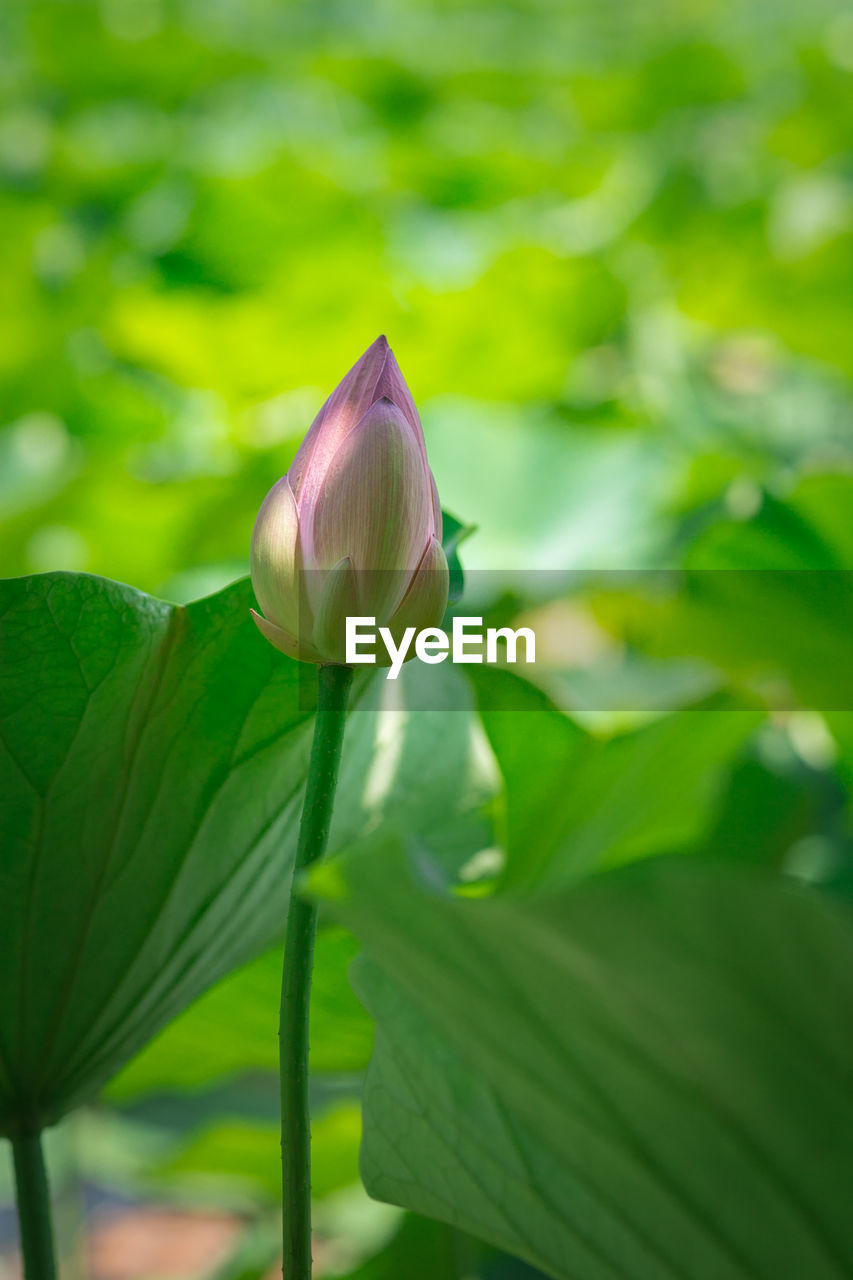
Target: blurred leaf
pixel 422 1250
pixel 234 1151
pixel 543 498
pixel 414 758
pixel 617 1079
pixel 761 814
pixel 577 803
pixel 769 600
pixel 777 537
pixel 255 1255
pixel 841 724
pixel 231 1029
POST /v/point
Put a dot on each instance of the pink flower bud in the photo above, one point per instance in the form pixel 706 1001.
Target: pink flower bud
pixel 354 528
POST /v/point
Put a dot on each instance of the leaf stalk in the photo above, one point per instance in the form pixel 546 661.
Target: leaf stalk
pixel 34 1215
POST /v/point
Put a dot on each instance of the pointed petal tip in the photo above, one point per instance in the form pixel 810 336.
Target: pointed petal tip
pixel 378 345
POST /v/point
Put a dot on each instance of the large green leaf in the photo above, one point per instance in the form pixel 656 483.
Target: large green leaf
pixel 230 1031
pixel 425 1249
pixel 576 803
pixel 152 763
pixel 647 1076
pixel 153 759
pixel 415 757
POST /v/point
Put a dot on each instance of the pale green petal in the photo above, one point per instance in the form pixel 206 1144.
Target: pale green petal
pixel 275 560
pixel 338 601
pixel 284 641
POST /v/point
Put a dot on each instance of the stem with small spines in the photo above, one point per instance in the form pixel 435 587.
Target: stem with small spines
pixel 334 687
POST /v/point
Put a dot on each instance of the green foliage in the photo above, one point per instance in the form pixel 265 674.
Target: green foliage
pixel 153 763
pixel 605 246
pixel 233 1151
pixel 154 760
pixel 135 869
pixel 612 1080
pixel 646 791
pixel 612 252
pixel 193 1053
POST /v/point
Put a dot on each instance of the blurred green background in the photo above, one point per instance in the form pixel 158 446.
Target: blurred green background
pixel 611 247
pixel 609 243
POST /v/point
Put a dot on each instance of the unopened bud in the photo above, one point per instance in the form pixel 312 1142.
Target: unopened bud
pixel 354 528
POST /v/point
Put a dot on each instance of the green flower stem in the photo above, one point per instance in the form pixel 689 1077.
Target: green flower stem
pixel 335 682
pixel 33 1207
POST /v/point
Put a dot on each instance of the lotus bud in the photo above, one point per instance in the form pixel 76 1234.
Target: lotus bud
pixel 354 528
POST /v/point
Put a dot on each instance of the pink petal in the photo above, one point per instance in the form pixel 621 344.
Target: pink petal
pixel 391 385
pixel 424 603
pixel 375 506
pixel 345 407
pixel 374 377
pixel 437 518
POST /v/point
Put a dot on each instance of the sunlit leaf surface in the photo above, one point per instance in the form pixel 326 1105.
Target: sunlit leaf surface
pixel 153 763
pixel 647 1076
